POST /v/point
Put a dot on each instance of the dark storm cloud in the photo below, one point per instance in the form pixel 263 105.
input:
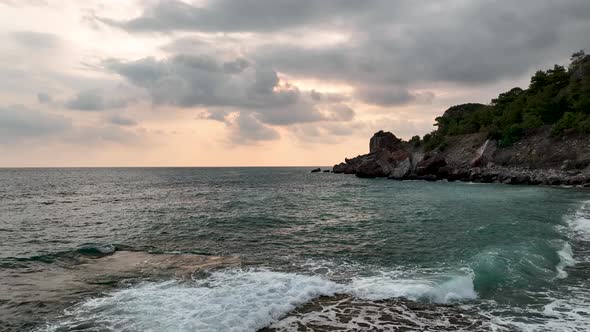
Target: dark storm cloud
pixel 18 122
pixel 461 42
pixel 243 15
pixel 94 100
pixel 35 40
pixel 384 95
pixel 392 42
pixel 388 52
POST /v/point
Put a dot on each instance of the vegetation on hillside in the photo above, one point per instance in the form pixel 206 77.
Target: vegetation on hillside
pixel 558 97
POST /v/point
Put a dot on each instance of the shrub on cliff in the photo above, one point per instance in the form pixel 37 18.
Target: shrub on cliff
pixel 558 96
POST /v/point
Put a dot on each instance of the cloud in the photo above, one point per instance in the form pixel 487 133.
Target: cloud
pixel 237 84
pixel 96 135
pixel 19 123
pixel 395 42
pixel 246 129
pixel 19 3
pixel 239 16
pixel 458 42
pixel 392 95
pixel 44 98
pixel 94 100
pixel 340 112
pixel 122 121
pixel 35 40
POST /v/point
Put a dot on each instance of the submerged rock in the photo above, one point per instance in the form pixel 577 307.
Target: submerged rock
pixel 97 249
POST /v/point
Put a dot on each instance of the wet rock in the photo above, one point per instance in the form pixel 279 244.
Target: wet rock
pixel 431 164
pixel 427 177
pixel 536 160
pixel 316 170
pixel 96 249
pixel 346 313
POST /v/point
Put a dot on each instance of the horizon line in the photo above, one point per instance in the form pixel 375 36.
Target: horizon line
pixel 231 166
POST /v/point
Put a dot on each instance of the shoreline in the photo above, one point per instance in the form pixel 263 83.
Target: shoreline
pixel 475 158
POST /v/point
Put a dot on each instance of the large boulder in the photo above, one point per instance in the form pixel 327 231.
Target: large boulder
pixel 387 157
pixel 384 141
pixel 430 164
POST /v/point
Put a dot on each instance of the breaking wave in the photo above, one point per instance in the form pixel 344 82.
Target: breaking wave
pixel 239 300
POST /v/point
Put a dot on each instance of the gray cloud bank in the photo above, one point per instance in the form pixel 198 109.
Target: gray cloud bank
pixel 386 50
pixel 224 87
pixel 392 41
pixel 19 124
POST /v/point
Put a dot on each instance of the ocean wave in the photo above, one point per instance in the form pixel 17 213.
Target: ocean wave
pixel 578 229
pixel 559 315
pixel 579 222
pixel 444 290
pixel 241 300
pixel 566 259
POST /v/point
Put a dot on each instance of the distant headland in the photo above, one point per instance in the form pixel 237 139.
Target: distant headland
pixel 539 135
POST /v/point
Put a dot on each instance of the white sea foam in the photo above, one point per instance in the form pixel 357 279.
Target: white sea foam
pixel 579 223
pixel 566 259
pixel 560 315
pixel 454 288
pixel 240 300
pixel 578 229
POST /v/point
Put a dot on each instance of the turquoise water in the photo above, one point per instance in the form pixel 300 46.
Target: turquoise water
pixel 517 254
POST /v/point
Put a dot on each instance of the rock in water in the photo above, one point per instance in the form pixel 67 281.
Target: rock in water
pixel 346 313
pixel 316 170
pixel 96 249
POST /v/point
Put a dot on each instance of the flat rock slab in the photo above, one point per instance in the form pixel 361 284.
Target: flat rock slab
pixel 39 290
pixel 346 313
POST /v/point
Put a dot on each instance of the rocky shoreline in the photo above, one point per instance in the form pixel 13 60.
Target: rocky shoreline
pixel 346 313
pixel 539 159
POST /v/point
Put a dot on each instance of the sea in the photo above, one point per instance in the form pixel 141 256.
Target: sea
pixel 245 249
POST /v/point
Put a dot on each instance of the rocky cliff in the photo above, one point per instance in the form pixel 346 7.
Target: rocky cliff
pixel 538 158
pixel 538 135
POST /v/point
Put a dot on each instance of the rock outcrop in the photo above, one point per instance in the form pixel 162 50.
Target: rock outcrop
pixel 387 157
pixel 539 159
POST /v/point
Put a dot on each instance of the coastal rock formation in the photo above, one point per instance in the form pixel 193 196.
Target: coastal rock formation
pixel 387 156
pixel 346 313
pixel 538 159
pixel 538 135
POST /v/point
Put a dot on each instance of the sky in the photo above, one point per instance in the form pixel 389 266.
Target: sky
pixel 256 82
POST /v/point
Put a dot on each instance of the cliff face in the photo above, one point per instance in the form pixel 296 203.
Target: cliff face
pixel 539 158
pixel 538 135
